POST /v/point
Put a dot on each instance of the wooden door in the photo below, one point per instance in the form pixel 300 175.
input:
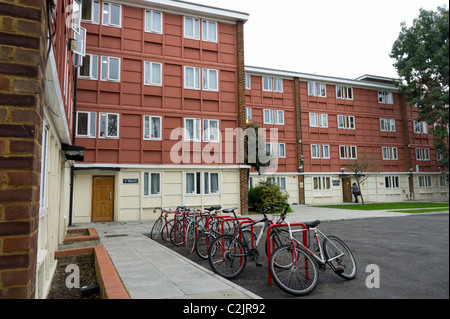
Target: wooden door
pixel 347 189
pixel 102 198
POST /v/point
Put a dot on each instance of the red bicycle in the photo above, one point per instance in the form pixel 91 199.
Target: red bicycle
pixel 162 225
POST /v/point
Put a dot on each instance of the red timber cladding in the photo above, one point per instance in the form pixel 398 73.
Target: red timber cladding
pixel 132 99
pixel 259 100
pixel 367 135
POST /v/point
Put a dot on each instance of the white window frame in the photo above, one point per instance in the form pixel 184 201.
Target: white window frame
pixel 95 11
pixel 267 84
pixel 147 180
pixel 106 15
pixel 148 123
pixel 426 154
pixel 278 85
pixel 346 122
pixel 248 82
pixel 281 182
pixel 315 151
pixel 92 67
pixel 197 184
pixel 196 127
pixel 317 89
pixel 149 21
pixel 321 183
pixel 195 28
pixel 387 125
pixel 389 153
pixel 105 116
pixel 420 127
pixel 325 151
pixel 108 70
pixel 196 78
pixel 281 152
pixel 207 131
pixel 206 34
pixel 392 182
pixel 385 97
pixel 344 92
pixel 442 181
pixel 207 183
pixel 313 120
pixel 91 120
pixel 323 120
pixel 148 80
pixel 76 15
pixel 268 119
pixel 279 117
pixel 425 181
pixel 248 113
pixel 44 168
pixel 207 79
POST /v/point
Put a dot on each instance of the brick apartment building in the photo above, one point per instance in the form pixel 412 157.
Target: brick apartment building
pixel 141 122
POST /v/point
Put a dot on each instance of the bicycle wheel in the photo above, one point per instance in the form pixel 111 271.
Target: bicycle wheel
pixel 227 256
pixel 339 257
pixel 278 237
pixel 156 229
pixel 165 231
pixel 176 233
pixel 294 271
pixel 190 237
pixel 202 245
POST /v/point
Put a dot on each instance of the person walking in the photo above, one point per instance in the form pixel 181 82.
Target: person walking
pixel 355 191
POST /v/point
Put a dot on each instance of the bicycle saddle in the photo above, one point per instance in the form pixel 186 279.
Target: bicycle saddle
pixel 209 209
pixel 229 210
pixel 312 224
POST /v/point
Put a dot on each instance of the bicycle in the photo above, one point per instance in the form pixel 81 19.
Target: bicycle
pixel 161 225
pixel 294 267
pixel 228 253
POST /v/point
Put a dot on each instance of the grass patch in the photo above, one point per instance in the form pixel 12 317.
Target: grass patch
pixel 416 211
pixel 387 206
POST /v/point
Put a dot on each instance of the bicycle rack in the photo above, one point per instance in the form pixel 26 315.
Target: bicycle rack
pixel 233 219
pixel 269 243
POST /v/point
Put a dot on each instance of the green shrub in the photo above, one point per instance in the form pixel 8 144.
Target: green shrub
pixel 265 195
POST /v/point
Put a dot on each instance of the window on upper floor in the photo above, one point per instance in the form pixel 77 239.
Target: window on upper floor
pixel 152 73
pixel 318 120
pixel 385 97
pixel 344 92
pixel 89 68
pixel 387 125
pixel 268 117
pixel 317 89
pixel 420 127
pixel 389 153
pixel 346 122
pixel 279 117
pixel 152 127
pixel 248 113
pixel 192 129
pixel 109 125
pixel 86 124
pixel 110 69
pixel 153 21
pixel 192 77
pixel 192 28
pixel 112 14
pixel 274 84
pixel 348 152
pixel 248 81
pixel 211 132
pixel 210 80
pixel 90 11
pixel 209 31
pixel 320 151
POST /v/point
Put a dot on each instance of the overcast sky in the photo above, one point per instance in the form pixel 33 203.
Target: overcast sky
pixel 346 38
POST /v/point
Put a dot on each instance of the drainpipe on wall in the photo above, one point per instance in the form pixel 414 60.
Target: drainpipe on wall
pixel 72 168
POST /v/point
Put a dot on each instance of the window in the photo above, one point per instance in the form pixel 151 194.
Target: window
pixel 281 182
pixel 152 73
pixel 86 124
pixel 267 83
pixel 281 150
pixel 109 125
pixel 89 69
pixel 347 152
pixel 152 127
pixel 426 154
pixel 320 151
pixel 192 78
pixel 276 82
pixel 211 131
pixel 192 28
pixel 322 183
pixel 153 21
pixel 90 11
pixel 248 113
pixel 420 127
pixel 44 167
pixel 422 154
pixel 279 117
pixel 76 16
pixel 209 31
pixel 248 81
pixel 442 181
pixel 268 117
pixel 385 97
pixel 425 181
pixel 211 183
pixel 193 183
pixel 387 125
pixel 318 120
pixel 343 92
pixel 210 80
pixel 192 128
pixel 419 154
pixel 391 182
pixel 112 14
pixel 389 153
pixel 317 89
pixel 110 69
pixel 152 184
pixel 346 122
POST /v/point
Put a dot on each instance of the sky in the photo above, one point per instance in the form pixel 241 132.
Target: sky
pixel 345 38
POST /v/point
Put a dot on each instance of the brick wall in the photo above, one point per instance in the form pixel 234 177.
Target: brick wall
pixel 22 69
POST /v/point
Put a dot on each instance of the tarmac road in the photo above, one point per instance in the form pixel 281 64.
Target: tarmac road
pixel 411 254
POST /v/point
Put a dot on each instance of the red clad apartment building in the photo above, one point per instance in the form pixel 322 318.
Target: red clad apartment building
pixel 139 111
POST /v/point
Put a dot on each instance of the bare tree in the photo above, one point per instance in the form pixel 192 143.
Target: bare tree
pixel 362 169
